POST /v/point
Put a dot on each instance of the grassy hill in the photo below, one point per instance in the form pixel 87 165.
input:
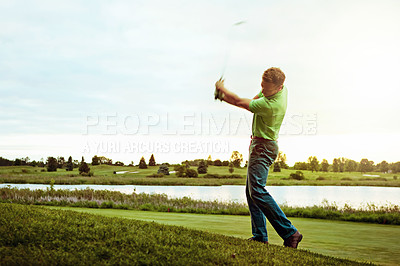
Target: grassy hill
pixel 35 235
pixel 348 240
pixel 104 174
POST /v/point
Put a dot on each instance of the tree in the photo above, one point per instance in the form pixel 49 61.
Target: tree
pixel 225 163
pixel 142 163
pixel 70 164
pixel 5 162
pixel 17 162
pixel 209 160
pixel 202 169
pixel 281 160
pixel 335 165
pixel 104 160
pixel 341 164
pixel 217 162
pixel 25 161
pixel 236 159
pixel 119 163
pixel 324 165
pixel 84 168
pixel 395 167
pixel 95 160
pixel 350 165
pixel 163 169
pixel 383 166
pixel 41 163
pixel 313 163
pixel 186 164
pixel 60 162
pixel 152 162
pixel 231 169
pixel 52 164
pixel 300 166
pixel 277 167
pixel 365 166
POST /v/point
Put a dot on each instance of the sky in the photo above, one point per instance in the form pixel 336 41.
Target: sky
pixel 126 79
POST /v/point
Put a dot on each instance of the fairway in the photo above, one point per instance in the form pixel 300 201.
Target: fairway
pixel 356 241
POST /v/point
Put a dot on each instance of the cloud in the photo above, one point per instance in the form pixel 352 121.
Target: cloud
pixel 63 60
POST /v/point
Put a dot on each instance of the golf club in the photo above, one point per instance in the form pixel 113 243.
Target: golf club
pixel 218 94
pixel 228 50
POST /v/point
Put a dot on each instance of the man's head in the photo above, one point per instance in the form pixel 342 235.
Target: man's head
pixel 272 81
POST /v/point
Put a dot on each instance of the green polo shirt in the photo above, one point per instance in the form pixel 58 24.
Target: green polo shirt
pixel 268 114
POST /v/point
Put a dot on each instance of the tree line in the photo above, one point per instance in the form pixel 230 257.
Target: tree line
pixel 347 165
pixel 340 164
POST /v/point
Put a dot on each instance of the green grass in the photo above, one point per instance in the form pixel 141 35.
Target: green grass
pixel 357 241
pixel 103 174
pixel 31 235
pixel 91 198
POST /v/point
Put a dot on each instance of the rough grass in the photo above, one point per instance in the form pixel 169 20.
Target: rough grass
pixel 31 235
pixel 217 175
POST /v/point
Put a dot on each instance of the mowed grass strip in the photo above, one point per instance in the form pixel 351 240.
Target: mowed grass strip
pixel 36 235
pixel 356 241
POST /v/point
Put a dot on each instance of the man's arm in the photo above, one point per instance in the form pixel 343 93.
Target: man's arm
pixel 231 97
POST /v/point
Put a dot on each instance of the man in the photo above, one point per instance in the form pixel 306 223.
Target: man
pixel 269 108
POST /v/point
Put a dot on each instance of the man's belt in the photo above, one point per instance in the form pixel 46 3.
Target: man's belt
pixel 255 137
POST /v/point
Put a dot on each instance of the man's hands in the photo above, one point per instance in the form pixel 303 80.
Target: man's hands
pixel 223 93
pixel 219 89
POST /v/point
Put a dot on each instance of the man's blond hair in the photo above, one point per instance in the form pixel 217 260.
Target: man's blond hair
pixel 274 75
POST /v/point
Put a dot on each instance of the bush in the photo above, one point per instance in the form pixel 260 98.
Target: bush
pixel 395 177
pixel 321 178
pixel 180 170
pixel 231 168
pixel 155 175
pixel 202 169
pixel 297 176
pixel 87 174
pixel 84 169
pixel 163 169
pixel 191 173
pixel 277 167
pixel 107 205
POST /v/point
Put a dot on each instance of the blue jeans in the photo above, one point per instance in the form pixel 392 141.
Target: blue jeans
pixel 262 154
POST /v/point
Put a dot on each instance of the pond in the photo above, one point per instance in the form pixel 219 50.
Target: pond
pixel 355 196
